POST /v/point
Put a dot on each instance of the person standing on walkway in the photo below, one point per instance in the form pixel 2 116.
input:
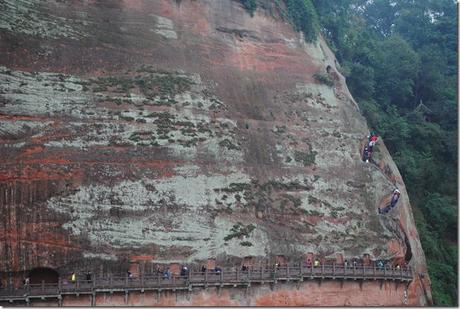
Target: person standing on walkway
pixel 316 263
pixel 73 277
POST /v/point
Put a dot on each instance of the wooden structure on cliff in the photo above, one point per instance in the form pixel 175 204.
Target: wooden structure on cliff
pixel 226 278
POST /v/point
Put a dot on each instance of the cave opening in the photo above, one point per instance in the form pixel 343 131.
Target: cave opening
pixel 408 255
pixel 46 274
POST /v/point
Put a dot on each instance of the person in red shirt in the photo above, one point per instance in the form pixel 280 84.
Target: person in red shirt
pixel 372 140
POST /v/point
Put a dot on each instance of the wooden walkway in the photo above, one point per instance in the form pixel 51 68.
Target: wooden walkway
pixel 226 278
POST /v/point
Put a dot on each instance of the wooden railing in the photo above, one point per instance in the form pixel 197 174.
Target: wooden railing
pixel 226 277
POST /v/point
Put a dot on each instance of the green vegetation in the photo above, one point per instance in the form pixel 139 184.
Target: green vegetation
pixel 239 230
pixel 301 13
pixel 150 83
pixel 246 243
pixel 228 144
pixel 250 6
pixel 297 202
pixel 400 60
pixel 323 78
pixel 307 158
pixel 303 16
pixel 235 187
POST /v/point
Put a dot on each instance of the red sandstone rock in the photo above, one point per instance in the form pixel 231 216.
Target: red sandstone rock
pixel 153 128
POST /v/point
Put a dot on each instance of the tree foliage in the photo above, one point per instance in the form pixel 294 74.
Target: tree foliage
pixel 250 6
pixel 401 62
pixel 304 18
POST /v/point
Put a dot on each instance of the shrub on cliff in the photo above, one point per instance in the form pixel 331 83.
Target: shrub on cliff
pixel 323 78
pixel 250 6
pixel 304 18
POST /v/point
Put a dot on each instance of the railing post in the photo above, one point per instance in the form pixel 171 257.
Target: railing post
pixel 401 272
pixel 174 280
pixel 158 278
pixel 59 285
pixel 384 271
pixel 237 275
pixel 94 281
pixel 311 269
pixel 333 269
pixel 287 271
pixel 189 275
pixel 322 270
pixel 249 274
pixel 206 276
pixel 43 286
pixel 261 273
pixel 222 276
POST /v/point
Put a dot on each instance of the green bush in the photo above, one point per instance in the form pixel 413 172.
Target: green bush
pixel 303 15
pixel 250 6
pixel 323 78
pixel 239 230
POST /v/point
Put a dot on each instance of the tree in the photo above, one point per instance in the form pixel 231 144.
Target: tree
pixel 250 6
pixel 396 69
pixel 304 18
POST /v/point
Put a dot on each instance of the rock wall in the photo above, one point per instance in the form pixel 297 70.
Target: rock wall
pixel 182 131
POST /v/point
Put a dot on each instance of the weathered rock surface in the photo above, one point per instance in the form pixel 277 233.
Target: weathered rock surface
pixel 183 130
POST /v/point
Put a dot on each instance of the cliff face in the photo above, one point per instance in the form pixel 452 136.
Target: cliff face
pixel 169 131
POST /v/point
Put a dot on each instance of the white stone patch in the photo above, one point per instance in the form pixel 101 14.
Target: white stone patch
pixel 222 153
pixel 291 43
pixel 312 49
pixel 102 256
pixel 286 154
pixel 42 93
pixel 194 100
pixel 141 222
pixel 187 170
pixel 324 227
pixel 16 127
pixel 24 16
pixel 194 192
pixel 319 89
pixel 14 145
pixel 164 27
pixel 258 238
pixel 165 229
pixel 76 143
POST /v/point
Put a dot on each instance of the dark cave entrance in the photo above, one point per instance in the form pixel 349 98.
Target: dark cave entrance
pixel 39 274
pixel 408 255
